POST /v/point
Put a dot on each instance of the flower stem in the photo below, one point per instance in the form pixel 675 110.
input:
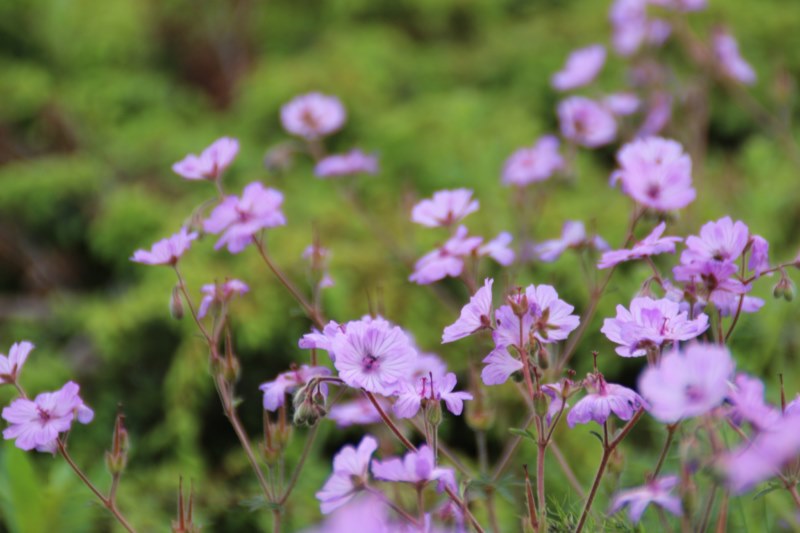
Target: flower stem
pixel 310 438
pixel 671 428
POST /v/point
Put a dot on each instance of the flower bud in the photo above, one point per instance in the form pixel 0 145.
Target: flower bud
pixel 519 305
pixel 434 413
pixel 543 358
pixel 176 303
pixel 540 404
pixel 117 457
pixel 784 289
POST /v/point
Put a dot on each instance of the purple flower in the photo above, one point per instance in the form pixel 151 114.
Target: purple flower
pixel 687 384
pixel 726 51
pixel 211 162
pixel 722 241
pixel 585 122
pixel 287 382
pixel 632 27
pixel 713 281
pixel 445 208
pixel 659 114
pixel 548 318
pixel 656 173
pixel 323 340
pixel 573 236
pixel 622 104
pixel 11 366
pixel 239 219
pixel 350 470
pixel 651 323
pixel 581 69
pixel 412 394
pixel 166 251
pixel 37 423
pixel 349 164
pixel 499 366
pixel 759 255
pixel 476 315
pixel 373 355
pixel 364 513
pixel 416 467
pixel 359 412
pixel 498 249
pixel 313 115
pixel 447 260
pixel 747 399
pixel 213 293
pixel 602 400
pixel 537 163
pixel 555 391
pixel 653 244
pixel 656 492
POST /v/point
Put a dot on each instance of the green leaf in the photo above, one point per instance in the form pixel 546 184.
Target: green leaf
pixel 524 433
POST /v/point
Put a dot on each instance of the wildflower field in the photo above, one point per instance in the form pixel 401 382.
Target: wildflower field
pixel 425 265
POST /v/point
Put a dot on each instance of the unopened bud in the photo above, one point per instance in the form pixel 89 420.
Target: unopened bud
pixel 117 457
pixel 519 304
pixel 784 289
pixel 544 358
pixel 540 404
pixel 176 304
pixel 434 413
pixel 231 368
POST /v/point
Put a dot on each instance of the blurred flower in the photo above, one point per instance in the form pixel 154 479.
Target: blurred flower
pixel 412 393
pixel 622 104
pixel 759 255
pixel 656 492
pixel 275 391
pixel 582 68
pixel 166 251
pixel 656 173
pixel 445 208
pixel 211 162
pixel 573 235
pixel 632 28
pixel 726 51
pixel 239 219
pixel 350 469
pixel 213 293
pixel 417 467
pixel 498 249
pixel 659 113
pixel 653 244
pixel 747 403
pixel 322 340
pixel 476 315
pixel 11 366
pixel 37 423
pixel 313 115
pixel 359 412
pixel 499 366
pixel 537 163
pixel 687 383
pixel 448 260
pixel 318 256
pixel 585 122
pixel 366 512
pixel 602 400
pixel 349 164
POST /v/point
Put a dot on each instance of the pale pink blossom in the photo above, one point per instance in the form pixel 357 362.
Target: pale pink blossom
pixel 653 244
pixel 581 68
pixel 657 492
pixel 533 164
pixel 211 162
pixel 445 208
pixel 166 251
pixel 313 115
pixel 476 315
pixel 350 475
pixel 11 366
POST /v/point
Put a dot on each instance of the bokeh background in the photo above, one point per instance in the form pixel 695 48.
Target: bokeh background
pixel 98 99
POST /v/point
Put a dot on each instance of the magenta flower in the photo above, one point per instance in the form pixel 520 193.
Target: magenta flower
pixel 219 294
pixel 653 244
pixel 359 412
pixel 367 512
pixel 445 208
pixel 287 382
pixel 499 366
pixel 722 241
pixel 313 115
pixel 651 324
pixel 622 104
pixel 537 163
pixel 11 366
pixel 322 340
pixel 447 260
pixel 585 122
pixel 350 472
pixel 499 249
pixel 602 400
pixel 475 316
pixel 573 236
pixel 548 319
pixel 240 219
pixel 211 162
pixel 656 492
pixel 374 356
pixel 349 164
pixel 417 467
pixel 687 384
pixel 747 403
pixel 656 173
pixel 412 394
pixel 37 423
pixel 726 50
pixel 581 69
pixel 759 255
pixel 166 251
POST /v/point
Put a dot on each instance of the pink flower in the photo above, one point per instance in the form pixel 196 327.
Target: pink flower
pixel 632 28
pixel 11 366
pixel 445 208
pixel 656 173
pixel 374 355
pixel 602 400
pixel 359 412
pixel 476 315
pixel 726 50
pixel 349 164
pixel 166 251
pixel 659 114
pixel 447 260
pixel 653 244
pixel 416 467
pixel 498 249
pixel 412 394
pixel 723 241
pixel 687 384
pixel 747 400
pixel 548 319
pixel 585 122
pixel 555 391
pixel 211 162
pixel 573 236
pixel 656 492
pixel 713 282
pixel 622 104
pixel 323 340
pixel 240 219
pixel 651 323
pixel 313 115
pixel 287 382
pixel 37 423
pixel 581 69
pixel 499 366
pixel 350 471
pixel 366 512
pixel 213 293
pixel 530 165
pixel 759 255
